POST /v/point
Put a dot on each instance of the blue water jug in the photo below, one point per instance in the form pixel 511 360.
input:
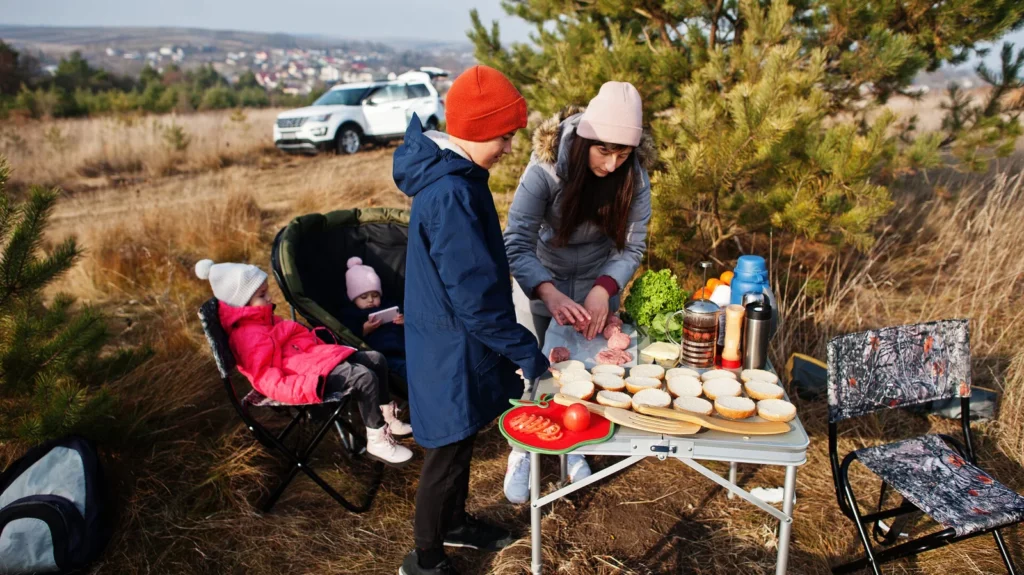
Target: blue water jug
pixel 751 276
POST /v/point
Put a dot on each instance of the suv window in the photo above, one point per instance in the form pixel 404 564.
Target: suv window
pixel 418 91
pixel 386 94
pixel 341 97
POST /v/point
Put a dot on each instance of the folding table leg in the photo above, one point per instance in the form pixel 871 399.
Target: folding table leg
pixel 732 478
pixel 535 510
pixel 563 469
pixel 786 527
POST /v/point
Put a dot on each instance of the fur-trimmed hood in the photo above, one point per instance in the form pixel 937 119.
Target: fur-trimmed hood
pixel 551 140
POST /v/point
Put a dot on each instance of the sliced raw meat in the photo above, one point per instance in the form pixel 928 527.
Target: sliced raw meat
pixel 558 354
pixel 610 330
pixel 614 357
pixel 619 341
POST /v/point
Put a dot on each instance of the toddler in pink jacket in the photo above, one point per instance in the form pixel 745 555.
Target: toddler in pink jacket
pixel 287 362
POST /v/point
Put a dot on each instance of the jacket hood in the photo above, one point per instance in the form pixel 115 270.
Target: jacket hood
pixel 553 139
pixel 232 317
pixel 424 158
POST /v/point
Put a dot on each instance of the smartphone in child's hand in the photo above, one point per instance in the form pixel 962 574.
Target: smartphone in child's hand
pixel 385 315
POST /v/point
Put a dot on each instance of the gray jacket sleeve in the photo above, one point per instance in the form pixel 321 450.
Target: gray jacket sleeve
pixel 621 265
pixel 522 229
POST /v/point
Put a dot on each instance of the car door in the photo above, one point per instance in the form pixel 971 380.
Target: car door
pixel 385 109
pixel 420 102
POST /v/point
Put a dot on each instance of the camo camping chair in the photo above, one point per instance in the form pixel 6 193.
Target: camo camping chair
pixel 936 475
pixel 298 456
pixel 309 261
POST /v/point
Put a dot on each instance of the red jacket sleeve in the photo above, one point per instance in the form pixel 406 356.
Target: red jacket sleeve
pixel 258 360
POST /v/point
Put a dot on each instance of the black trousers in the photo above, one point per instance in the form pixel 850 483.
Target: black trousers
pixel 365 375
pixel 441 497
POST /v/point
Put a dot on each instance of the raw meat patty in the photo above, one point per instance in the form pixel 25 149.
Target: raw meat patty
pixel 611 330
pixel 619 341
pixel 558 354
pixel 614 320
pixel 614 357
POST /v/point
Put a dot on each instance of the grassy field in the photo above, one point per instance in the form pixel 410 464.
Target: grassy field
pixel 187 474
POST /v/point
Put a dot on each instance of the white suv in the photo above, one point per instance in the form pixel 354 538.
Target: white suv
pixel 350 114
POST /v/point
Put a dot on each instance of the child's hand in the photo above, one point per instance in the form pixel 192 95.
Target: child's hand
pixel 399 319
pixel 370 326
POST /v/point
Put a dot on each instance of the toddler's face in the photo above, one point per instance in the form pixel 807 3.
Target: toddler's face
pixel 368 300
pixel 262 296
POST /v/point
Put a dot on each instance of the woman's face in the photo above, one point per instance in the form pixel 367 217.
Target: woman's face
pixel 604 161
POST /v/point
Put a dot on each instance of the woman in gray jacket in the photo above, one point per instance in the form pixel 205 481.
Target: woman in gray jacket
pixel 577 228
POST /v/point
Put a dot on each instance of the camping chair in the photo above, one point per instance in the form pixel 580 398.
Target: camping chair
pixel 297 458
pixel 896 367
pixel 309 261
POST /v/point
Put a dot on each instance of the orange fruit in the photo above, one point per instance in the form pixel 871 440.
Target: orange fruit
pixel 702 293
pixel 712 284
pixel 727 277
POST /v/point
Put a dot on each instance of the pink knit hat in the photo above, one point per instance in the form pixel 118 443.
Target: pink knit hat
pixel 614 116
pixel 360 279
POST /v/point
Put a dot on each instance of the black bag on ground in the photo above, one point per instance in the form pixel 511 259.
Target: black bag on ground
pixel 54 515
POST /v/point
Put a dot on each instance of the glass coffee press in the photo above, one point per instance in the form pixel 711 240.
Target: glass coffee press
pixel 700 330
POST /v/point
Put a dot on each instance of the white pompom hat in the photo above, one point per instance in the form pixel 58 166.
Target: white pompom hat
pixel 232 284
pixel 360 279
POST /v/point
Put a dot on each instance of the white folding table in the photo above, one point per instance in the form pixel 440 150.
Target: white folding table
pixel 788 450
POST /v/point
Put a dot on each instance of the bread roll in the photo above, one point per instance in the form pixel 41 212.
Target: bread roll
pixel 684 386
pixel 575 375
pixel 616 370
pixel 693 405
pixel 652 397
pixel 677 371
pixel 578 388
pixel 735 407
pixel 647 370
pixel 759 375
pixel 558 368
pixel 721 387
pixel 635 384
pixel 717 374
pixel 609 382
pixel 614 399
pixel 776 410
pixel 763 390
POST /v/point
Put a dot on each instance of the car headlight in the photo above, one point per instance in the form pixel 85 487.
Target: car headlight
pixel 320 118
pixel 322 131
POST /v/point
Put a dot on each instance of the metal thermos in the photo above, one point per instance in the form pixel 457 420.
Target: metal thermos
pixel 757 328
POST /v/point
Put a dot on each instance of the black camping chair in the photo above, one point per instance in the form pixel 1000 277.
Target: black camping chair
pixel 297 457
pixel 310 256
pixel 936 475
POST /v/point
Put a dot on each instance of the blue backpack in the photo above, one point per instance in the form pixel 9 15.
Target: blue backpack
pixel 54 516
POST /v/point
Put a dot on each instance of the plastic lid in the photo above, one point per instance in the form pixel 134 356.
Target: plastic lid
pixel 702 306
pixel 759 311
pixel 751 265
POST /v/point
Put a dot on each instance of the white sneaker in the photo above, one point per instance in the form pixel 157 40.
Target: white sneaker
pixel 577 468
pixel 380 445
pixel 398 427
pixel 517 477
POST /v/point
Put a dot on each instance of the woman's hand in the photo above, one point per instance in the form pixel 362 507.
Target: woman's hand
pixel 596 305
pixel 399 319
pixel 562 308
pixel 370 326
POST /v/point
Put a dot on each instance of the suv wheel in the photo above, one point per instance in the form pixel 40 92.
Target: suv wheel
pixel 431 124
pixel 348 140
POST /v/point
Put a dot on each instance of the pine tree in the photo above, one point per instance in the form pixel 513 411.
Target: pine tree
pixel 766 112
pixel 51 371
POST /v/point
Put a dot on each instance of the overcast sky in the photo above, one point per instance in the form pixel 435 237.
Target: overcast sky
pixel 445 20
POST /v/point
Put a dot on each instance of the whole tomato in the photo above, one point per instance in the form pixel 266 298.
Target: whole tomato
pixel 576 417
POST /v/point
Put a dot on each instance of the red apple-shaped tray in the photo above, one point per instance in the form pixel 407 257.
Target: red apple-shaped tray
pixel 599 431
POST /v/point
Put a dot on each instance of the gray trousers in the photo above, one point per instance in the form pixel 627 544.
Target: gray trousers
pixel 364 375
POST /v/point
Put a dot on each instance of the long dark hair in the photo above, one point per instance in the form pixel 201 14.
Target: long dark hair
pixel 588 198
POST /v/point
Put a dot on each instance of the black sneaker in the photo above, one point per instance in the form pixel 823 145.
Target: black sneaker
pixel 477 534
pixel 411 566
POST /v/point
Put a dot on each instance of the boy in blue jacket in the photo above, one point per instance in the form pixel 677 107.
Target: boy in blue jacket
pixel 463 345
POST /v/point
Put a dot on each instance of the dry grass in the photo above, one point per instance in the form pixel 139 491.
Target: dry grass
pixel 188 475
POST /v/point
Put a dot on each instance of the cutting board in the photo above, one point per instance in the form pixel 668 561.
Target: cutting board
pixel 632 419
pixel 581 349
pixel 760 427
pixel 599 431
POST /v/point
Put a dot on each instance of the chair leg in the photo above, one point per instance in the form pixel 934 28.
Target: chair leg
pixel 870 555
pixel 279 490
pixel 1002 550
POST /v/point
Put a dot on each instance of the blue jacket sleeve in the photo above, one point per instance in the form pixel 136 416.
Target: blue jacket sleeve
pixel 473 281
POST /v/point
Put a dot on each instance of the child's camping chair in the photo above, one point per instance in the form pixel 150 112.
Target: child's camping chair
pixel 309 261
pixel 297 457
pixel 935 474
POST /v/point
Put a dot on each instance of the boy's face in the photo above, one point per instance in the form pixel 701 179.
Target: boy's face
pixel 262 296
pixel 486 154
pixel 370 299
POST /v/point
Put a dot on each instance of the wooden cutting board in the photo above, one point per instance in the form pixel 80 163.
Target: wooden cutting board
pixel 632 419
pixel 717 423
